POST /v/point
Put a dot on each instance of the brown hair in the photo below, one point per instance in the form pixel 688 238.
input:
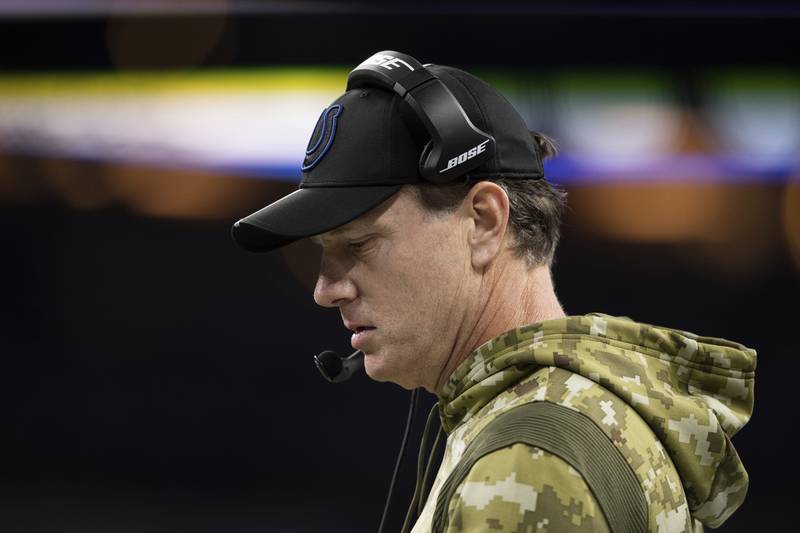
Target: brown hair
pixel 535 207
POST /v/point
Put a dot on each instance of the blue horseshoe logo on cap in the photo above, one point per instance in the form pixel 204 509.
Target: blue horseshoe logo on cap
pixel 327 122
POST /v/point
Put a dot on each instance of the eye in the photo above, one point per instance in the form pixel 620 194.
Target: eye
pixel 358 246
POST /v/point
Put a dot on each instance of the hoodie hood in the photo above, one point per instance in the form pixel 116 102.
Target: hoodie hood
pixel 694 392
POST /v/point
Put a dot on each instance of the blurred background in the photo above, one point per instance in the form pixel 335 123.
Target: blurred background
pixel 156 378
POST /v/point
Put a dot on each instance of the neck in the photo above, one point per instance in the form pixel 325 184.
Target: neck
pixel 510 296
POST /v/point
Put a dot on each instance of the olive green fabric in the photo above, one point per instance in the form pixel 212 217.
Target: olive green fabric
pixel 667 399
pixel 574 438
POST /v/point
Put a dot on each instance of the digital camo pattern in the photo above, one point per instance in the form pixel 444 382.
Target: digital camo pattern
pixel 668 399
pixel 526 489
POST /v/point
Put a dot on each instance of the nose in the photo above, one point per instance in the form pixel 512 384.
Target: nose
pixel 334 287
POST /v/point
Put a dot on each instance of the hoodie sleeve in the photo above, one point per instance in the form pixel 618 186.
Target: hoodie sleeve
pixel 524 488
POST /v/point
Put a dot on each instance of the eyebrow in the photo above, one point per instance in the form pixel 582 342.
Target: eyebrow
pixel 332 233
pixel 374 227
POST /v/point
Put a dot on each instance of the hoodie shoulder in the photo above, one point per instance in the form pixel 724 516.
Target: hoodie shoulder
pixel 655 472
pixel 669 400
pixel 524 488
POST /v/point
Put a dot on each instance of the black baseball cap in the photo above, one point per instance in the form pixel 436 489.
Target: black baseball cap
pixel 367 144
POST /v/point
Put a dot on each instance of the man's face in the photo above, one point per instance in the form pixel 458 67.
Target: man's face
pixel 402 274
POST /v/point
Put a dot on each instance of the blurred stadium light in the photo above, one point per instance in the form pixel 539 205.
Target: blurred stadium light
pixel 755 116
pixel 628 126
pixel 60 8
pixel 647 166
pixel 245 121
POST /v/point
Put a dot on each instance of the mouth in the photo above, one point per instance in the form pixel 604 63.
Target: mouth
pixel 356 327
pixel 362 333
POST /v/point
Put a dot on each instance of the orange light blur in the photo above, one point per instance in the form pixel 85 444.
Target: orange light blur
pixel 791 219
pixel 164 42
pixel 731 229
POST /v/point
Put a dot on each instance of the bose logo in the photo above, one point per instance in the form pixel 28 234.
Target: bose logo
pixel 469 154
pixel 386 61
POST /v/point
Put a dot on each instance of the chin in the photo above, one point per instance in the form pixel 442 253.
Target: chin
pixel 376 367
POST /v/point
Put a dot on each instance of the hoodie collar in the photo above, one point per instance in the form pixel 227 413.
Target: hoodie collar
pixel 490 369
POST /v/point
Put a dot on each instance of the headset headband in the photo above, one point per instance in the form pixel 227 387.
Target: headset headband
pixel 456 145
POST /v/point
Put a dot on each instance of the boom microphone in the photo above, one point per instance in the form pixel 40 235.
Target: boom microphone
pixel 336 368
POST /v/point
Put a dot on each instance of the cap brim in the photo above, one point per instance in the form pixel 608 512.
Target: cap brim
pixel 306 212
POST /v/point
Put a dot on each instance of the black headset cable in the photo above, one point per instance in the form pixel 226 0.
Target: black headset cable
pixel 409 421
pixel 425 487
pixel 417 501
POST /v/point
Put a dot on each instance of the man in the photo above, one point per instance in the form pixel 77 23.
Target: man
pixel 426 192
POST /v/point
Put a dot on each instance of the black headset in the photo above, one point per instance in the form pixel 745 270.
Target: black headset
pixel 457 145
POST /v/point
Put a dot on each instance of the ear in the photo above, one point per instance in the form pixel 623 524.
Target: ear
pixel 487 207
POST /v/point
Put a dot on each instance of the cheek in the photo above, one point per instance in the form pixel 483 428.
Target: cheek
pixel 426 277
pixel 416 298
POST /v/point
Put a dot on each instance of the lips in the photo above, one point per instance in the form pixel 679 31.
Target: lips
pixel 356 327
pixel 361 336
pixel 361 332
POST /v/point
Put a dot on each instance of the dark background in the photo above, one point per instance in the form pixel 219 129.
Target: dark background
pixel 155 378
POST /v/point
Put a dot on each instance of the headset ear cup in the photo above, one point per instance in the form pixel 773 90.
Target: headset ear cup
pixel 427 169
pixel 423 158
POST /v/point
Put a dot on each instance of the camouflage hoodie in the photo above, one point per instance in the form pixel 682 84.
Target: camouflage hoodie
pixel 668 400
